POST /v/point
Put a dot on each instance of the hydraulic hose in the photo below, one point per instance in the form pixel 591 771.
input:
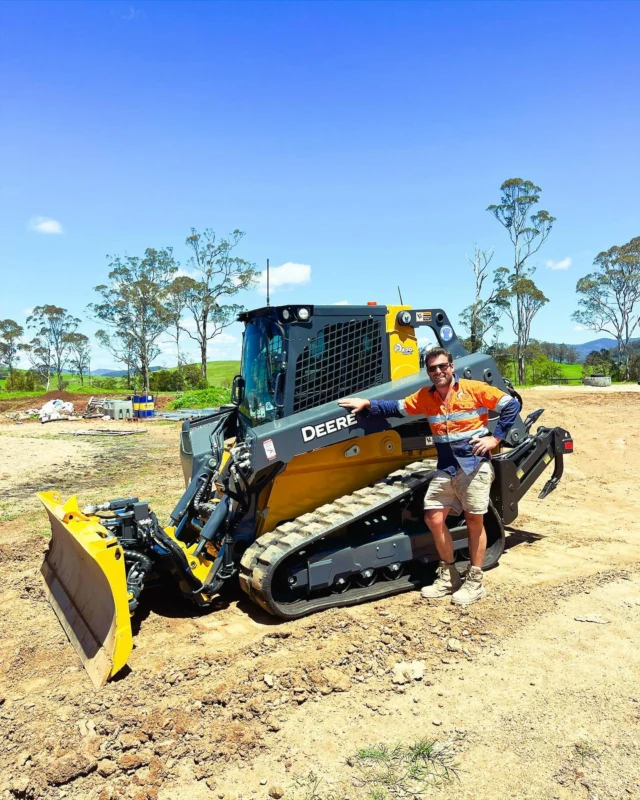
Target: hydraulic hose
pixel 138 566
pixel 179 559
pixel 213 524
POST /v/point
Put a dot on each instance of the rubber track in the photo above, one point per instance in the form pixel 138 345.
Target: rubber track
pixel 261 560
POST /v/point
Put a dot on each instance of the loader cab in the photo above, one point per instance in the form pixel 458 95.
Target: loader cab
pixel 298 357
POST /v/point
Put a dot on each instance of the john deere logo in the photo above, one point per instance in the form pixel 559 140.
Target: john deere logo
pixel 311 432
pixel 406 351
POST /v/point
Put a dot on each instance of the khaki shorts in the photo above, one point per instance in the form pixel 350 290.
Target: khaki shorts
pixel 461 492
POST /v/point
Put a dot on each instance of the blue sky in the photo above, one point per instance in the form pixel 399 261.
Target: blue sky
pixel 362 139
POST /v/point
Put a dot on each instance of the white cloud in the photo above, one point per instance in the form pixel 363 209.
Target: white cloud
pixel 342 303
pixel 185 273
pixel 564 264
pixel 225 338
pixel 45 225
pixel 580 328
pixel 28 311
pixel 284 277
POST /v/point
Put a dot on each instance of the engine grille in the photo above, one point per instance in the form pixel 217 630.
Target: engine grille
pixel 344 358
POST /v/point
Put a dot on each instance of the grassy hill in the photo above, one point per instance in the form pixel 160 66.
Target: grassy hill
pixel 219 374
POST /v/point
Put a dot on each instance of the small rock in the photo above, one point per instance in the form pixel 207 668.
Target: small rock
pixel 134 760
pixel 276 792
pixel 268 679
pixel 263 782
pixel 454 645
pixel 333 680
pixel 106 767
pixel 68 768
pixel 405 672
pixel 436 722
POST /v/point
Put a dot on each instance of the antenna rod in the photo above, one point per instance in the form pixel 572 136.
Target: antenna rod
pixel 268 282
pixel 400 295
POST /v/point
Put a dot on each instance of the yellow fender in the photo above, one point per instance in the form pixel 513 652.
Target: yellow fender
pixel 86 584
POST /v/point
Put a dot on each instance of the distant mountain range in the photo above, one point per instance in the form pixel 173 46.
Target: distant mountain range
pixel 603 343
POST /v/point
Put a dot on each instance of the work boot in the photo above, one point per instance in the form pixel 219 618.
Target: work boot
pixel 447 582
pixel 472 590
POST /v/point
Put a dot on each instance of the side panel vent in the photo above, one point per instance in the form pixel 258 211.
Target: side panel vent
pixel 344 358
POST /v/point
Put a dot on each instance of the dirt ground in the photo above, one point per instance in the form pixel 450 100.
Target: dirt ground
pixel 520 697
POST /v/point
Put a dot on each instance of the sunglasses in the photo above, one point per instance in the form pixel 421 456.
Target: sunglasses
pixel 439 367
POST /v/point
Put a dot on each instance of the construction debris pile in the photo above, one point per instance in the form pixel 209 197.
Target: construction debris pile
pixel 95 408
pixel 56 410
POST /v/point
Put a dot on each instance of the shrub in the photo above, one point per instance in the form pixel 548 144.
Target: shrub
pixel 207 398
pixel 106 383
pixel 177 380
pixel 24 381
pixel 543 370
pixel 166 380
pixel 193 377
pixel 634 367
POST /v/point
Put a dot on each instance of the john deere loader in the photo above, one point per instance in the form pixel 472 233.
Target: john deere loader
pixel 306 505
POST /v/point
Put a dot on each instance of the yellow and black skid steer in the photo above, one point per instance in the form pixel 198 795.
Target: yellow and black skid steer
pixel 308 506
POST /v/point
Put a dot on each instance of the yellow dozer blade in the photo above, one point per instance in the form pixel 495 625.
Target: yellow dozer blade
pixel 86 584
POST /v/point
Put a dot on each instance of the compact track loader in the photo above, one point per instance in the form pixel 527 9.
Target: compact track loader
pixel 307 505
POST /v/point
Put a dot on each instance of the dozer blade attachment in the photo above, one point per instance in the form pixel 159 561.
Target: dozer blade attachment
pixel 86 584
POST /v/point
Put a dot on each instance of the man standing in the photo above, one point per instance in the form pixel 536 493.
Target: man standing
pixel 458 414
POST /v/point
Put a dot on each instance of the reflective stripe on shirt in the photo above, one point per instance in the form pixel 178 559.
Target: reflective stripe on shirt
pixel 457 415
pixel 458 437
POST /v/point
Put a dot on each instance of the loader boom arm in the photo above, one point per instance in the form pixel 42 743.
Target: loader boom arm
pixel 518 469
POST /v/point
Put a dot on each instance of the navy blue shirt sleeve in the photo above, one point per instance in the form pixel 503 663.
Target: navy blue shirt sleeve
pixel 507 417
pixel 384 408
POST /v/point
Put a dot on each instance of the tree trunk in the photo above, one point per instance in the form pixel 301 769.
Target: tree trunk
pixel 203 359
pixel 145 374
pixel 203 349
pixel 521 369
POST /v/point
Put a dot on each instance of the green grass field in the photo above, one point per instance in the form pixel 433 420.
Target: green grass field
pixel 571 370
pixel 219 373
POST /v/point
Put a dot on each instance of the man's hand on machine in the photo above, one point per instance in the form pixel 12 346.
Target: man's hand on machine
pixel 356 404
pixel 483 445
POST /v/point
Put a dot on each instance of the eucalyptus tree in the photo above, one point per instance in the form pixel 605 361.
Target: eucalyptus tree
pixel 528 229
pixel 609 297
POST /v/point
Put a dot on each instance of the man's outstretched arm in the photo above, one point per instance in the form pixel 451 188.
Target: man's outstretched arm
pixel 374 408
